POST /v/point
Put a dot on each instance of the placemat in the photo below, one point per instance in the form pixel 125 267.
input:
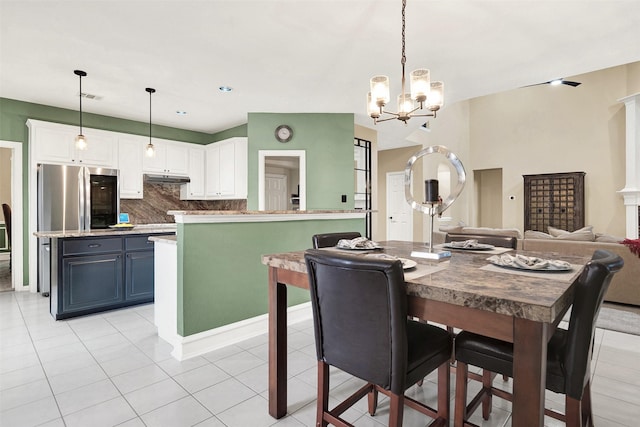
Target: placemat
pixel 563 276
pixel 424 270
pixel 495 251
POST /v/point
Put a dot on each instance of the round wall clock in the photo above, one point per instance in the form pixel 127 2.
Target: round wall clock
pixel 284 133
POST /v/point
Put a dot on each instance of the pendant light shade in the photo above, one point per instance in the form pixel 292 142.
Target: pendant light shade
pixel 422 94
pixel 81 141
pixel 150 150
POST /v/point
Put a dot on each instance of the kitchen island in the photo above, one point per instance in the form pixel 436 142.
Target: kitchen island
pixel 209 289
pixel 98 270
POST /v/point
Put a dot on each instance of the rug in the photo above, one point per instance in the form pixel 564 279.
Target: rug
pixel 619 320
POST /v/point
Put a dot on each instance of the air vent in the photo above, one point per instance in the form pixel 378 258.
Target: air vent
pixel 91 96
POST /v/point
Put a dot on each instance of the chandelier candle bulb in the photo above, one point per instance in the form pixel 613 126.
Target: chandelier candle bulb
pixel 380 89
pixel 436 96
pixel 431 190
pixel 420 84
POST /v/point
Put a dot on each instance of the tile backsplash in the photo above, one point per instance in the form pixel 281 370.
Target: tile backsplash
pixel 160 198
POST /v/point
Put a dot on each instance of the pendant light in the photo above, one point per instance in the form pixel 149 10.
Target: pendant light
pixel 426 94
pixel 150 149
pixel 81 141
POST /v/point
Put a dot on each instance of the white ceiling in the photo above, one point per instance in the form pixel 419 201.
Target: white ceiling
pixel 295 55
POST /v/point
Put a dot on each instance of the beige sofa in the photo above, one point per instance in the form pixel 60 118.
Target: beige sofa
pixel 625 286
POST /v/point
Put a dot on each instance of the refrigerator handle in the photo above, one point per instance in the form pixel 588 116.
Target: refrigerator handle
pixel 84 206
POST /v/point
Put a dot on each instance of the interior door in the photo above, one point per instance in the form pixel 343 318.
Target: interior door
pixel 399 212
pixel 276 192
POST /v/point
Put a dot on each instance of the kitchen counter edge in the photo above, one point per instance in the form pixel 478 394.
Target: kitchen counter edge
pixel 140 229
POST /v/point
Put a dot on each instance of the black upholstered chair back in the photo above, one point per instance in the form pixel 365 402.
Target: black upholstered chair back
pixel 500 241
pixel 360 316
pixel 589 293
pixel 331 239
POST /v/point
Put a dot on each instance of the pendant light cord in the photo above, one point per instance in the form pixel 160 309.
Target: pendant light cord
pixel 80 95
pixel 404 57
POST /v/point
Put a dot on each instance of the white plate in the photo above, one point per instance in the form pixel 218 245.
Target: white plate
pixel 477 247
pixel 406 263
pixel 359 249
pixel 543 265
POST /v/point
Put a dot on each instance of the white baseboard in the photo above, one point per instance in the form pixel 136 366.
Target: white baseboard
pixel 213 339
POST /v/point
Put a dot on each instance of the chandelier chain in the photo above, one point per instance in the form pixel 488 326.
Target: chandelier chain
pixel 404 57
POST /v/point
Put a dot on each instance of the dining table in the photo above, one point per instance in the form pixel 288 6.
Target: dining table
pixel 464 291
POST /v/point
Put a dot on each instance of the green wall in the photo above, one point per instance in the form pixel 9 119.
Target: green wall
pixel 328 142
pixel 221 278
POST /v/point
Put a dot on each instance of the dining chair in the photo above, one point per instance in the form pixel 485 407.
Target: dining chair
pixel 331 239
pixel 487 239
pixel 361 327
pixel 6 211
pixel 568 352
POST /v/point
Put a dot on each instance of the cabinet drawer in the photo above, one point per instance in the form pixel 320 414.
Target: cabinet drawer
pixel 91 246
pixel 137 243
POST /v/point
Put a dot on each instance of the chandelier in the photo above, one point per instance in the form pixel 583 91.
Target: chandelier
pixel 424 94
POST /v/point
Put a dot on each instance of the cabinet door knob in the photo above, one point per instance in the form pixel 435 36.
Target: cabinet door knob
pixel 95 245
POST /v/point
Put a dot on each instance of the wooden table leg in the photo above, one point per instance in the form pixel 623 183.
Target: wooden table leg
pixel 277 346
pixel 529 372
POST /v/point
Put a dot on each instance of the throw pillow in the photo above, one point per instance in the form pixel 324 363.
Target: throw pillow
pixel 451 228
pixel 584 236
pixel 555 232
pixel 532 234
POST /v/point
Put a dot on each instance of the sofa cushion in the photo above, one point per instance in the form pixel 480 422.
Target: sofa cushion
pixel 607 238
pixel 583 234
pixel 451 228
pixel 532 234
pixel 509 232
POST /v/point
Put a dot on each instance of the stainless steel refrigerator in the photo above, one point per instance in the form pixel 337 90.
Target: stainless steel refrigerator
pixel 73 198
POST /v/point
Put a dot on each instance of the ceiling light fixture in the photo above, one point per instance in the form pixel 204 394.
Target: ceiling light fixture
pixel 81 141
pixel 225 88
pixel 557 82
pixel 150 150
pixel 424 92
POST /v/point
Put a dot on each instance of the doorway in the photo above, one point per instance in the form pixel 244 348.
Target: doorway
pixel 399 212
pixel 275 189
pixel 289 163
pixel 488 192
pixel 12 195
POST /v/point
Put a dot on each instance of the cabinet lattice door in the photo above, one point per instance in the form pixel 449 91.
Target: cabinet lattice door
pixel 554 199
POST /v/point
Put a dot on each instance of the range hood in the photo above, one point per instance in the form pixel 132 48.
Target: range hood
pixel 166 179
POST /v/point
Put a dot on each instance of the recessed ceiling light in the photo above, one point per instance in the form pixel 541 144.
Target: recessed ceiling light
pixel 555 82
pixel 181 113
pixel 225 88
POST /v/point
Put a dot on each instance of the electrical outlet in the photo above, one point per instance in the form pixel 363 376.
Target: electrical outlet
pixel 344 198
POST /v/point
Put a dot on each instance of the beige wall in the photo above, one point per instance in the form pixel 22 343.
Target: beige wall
pixel 5 176
pixel 547 129
pixel 396 161
pixel 538 129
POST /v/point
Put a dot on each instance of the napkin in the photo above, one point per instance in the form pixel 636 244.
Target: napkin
pixel 529 263
pixel 357 243
pixel 471 243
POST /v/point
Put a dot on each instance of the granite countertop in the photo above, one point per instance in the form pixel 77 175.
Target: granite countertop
pixel 172 240
pixel 137 229
pixel 325 211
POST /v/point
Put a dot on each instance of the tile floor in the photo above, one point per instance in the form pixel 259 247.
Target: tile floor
pixel 111 369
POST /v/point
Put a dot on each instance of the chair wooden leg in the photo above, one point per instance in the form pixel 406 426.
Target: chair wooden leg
pixel 487 400
pixel 323 394
pixel 396 410
pixel 373 401
pixel 444 389
pixel 587 414
pixel 461 394
pixel 573 412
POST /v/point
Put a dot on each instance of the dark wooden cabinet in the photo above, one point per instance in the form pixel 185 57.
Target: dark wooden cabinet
pixel 554 199
pixel 100 273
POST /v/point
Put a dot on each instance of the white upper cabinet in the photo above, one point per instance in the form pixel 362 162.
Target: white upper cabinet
pixel 194 190
pixel 130 152
pixel 170 158
pixel 55 143
pixel 226 171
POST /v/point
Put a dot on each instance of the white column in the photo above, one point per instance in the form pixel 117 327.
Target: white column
pixel 631 191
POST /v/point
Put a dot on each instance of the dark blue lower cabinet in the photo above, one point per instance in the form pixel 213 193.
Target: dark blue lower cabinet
pixel 90 282
pixel 139 276
pixel 101 273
